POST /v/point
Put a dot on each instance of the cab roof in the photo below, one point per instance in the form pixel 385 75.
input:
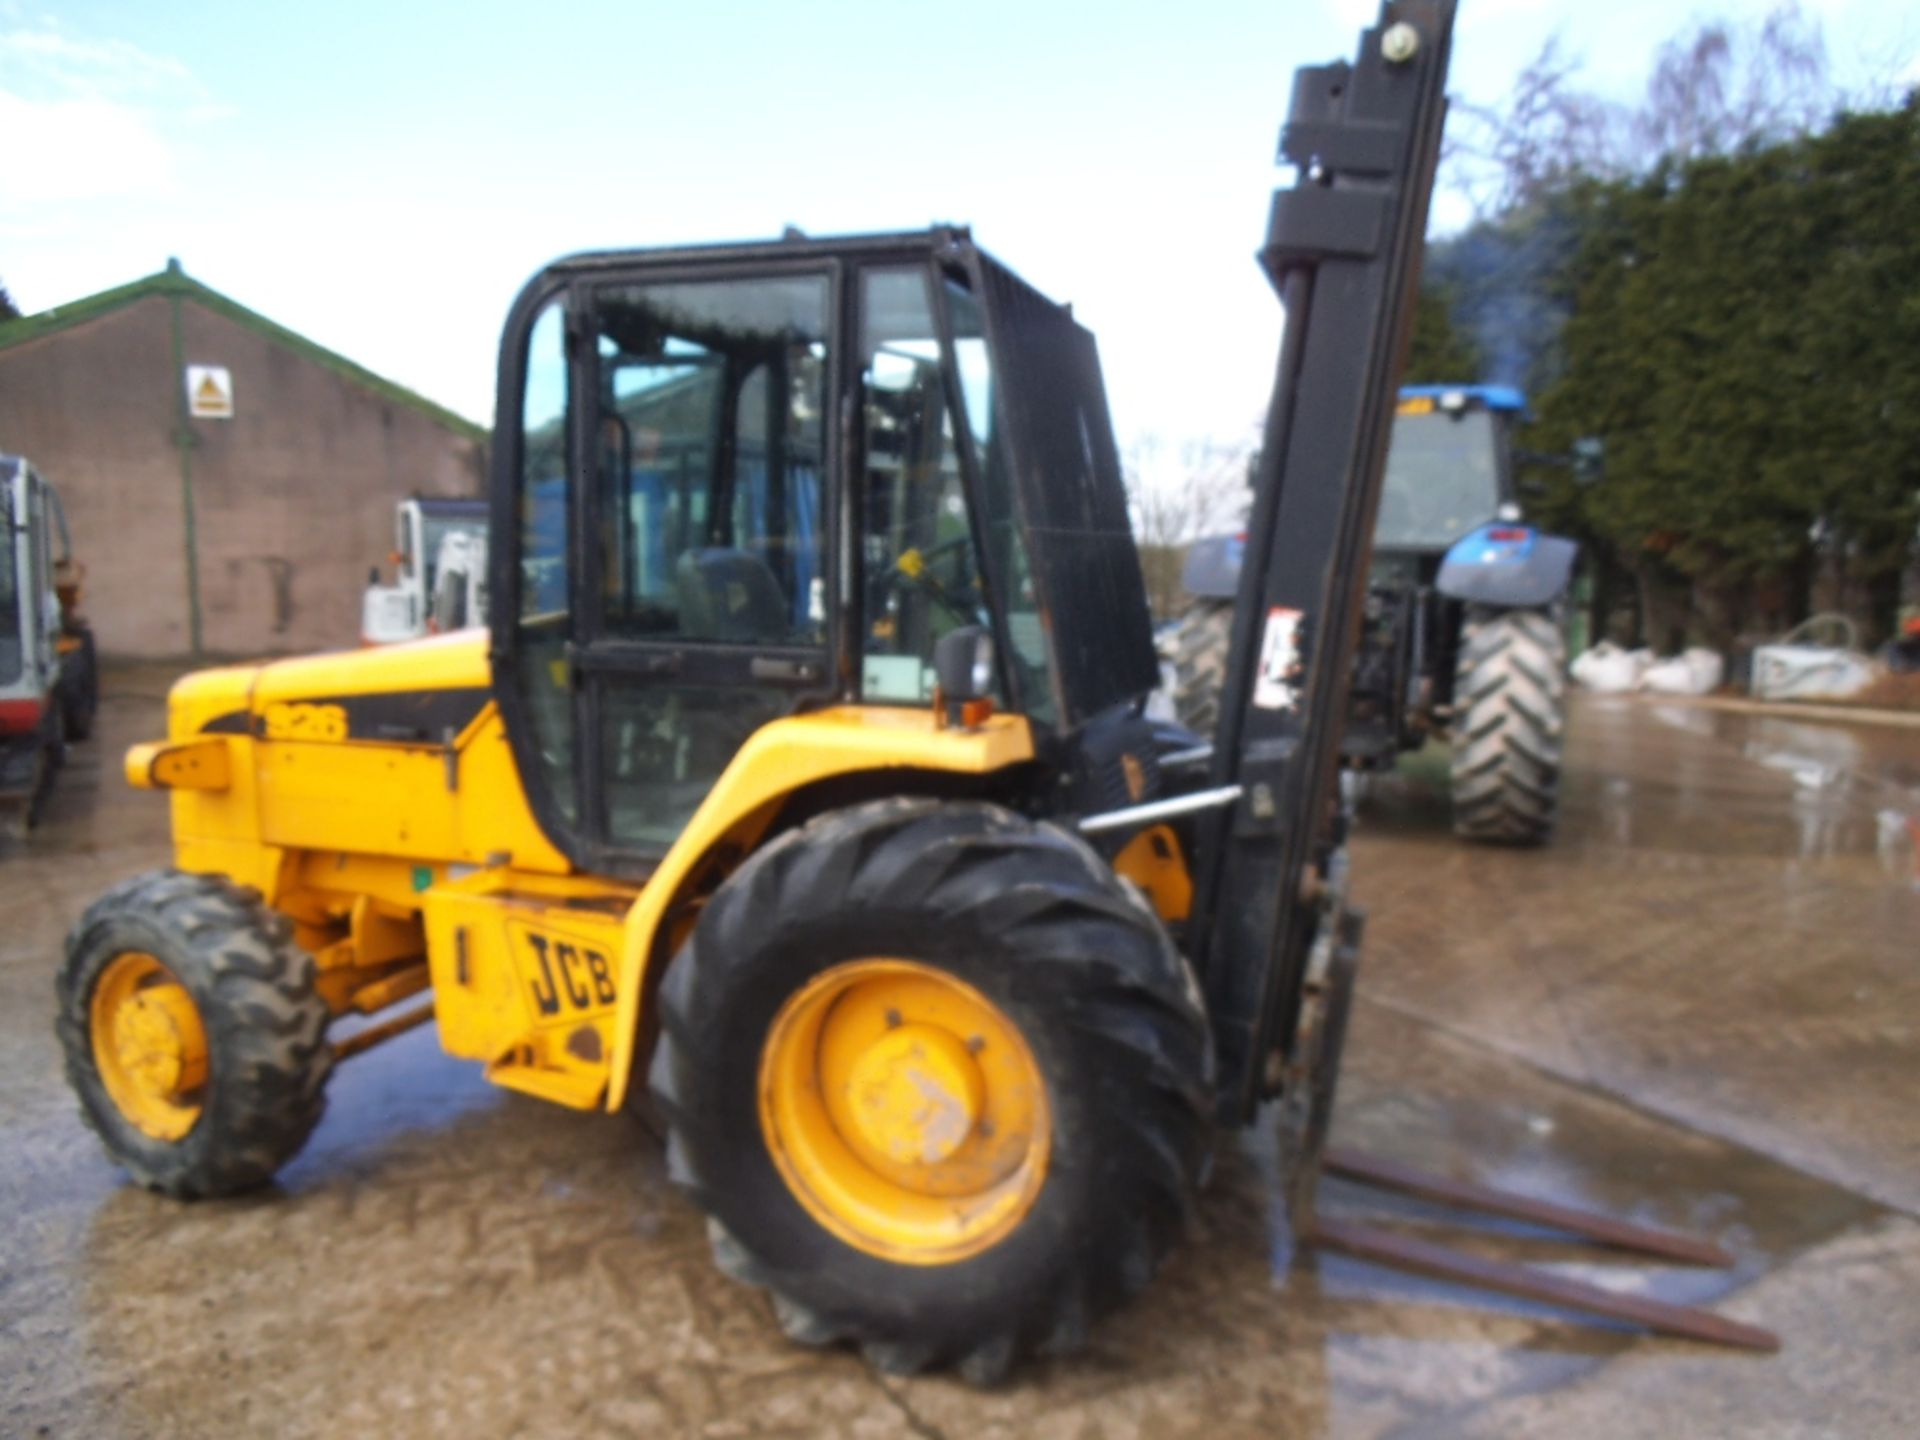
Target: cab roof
pixel 1491 397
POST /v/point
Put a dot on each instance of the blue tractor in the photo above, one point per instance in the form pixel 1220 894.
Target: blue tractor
pixel 1463 625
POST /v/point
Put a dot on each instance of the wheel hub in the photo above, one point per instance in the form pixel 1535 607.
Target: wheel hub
pixel 905 1110
pixel 149 1045
pixel 916 1094
pixel 158 1038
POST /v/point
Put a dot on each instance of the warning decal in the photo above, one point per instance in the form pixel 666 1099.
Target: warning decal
pixel 1276 682
pixel 210 392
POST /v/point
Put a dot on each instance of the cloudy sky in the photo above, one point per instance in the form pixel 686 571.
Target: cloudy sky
pixel 383 177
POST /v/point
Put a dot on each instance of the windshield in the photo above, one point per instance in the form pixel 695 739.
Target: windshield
pixel 433 530
pixel 10 639
pixel 1442 479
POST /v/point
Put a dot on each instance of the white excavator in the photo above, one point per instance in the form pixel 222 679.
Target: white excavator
pixel 49 684
pixel 439 561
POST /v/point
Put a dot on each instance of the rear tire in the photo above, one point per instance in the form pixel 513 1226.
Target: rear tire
pixel 1509 723
pixel 1027 917
pixel 263 1025
pixel 82 698
pixel 1200 664
pixel 46 765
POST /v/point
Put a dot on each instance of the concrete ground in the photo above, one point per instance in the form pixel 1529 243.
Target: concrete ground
pixel 1698 1008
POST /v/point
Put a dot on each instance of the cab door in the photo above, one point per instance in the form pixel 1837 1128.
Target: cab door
pixel 673 572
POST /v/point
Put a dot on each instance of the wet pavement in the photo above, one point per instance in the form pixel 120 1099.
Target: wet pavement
pixel 1698 1009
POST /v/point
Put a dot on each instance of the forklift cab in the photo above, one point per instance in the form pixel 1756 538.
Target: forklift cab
pixel 736 482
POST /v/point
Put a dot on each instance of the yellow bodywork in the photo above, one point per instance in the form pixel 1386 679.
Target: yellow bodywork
pixel 373 798
pixel 1154 860
pixel 779 759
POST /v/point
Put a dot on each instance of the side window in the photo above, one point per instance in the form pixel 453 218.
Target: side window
pixel 11 588
pixel 1006 544
pixel 712 438
pixel 922 575
pixel 542 621
pixel 543 474
pixel 47 607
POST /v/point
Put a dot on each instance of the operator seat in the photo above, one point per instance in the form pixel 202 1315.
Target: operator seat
pixel 729 595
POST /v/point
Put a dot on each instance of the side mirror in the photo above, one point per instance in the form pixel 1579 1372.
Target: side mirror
pixel 1589 459
pixel 963 670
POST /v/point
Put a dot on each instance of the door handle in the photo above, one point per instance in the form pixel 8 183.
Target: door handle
pixel 767 668
pixel 620 660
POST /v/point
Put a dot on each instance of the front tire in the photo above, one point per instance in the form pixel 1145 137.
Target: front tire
pixel 1508 727
pixel 47 760
pixel 923 912
pixel 193 1034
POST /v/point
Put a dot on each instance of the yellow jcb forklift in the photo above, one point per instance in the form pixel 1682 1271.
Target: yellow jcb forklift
pixel 803 778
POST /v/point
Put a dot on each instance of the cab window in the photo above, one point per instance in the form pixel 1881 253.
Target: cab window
pixel 1031 659
pixel 922 572
pixel 711 437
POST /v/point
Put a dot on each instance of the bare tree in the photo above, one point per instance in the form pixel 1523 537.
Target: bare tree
pixel 1715 87
pixel 1174 499
pixel 1722 87
pixel 1504 158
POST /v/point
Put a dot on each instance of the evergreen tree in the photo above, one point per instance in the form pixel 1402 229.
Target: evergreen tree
pixel 1744 335
pixel 1441 353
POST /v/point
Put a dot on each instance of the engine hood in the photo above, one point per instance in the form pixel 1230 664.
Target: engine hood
pixel 408 693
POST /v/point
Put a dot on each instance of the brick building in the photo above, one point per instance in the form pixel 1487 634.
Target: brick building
pixel 243 535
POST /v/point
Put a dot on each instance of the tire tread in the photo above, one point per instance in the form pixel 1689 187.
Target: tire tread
pixel 1509 731
pixel 1088 954
pixel 265 1020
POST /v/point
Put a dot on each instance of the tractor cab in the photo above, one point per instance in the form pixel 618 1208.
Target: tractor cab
pixel 739 482
pixel 1450 468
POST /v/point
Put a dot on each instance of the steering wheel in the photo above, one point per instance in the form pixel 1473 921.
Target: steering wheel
pixel 914 569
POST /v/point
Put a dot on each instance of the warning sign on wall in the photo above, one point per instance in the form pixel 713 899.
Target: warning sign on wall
pixel 210 392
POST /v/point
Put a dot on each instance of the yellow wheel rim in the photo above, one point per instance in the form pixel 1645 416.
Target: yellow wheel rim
pixel 149 1045
pixel 905 1111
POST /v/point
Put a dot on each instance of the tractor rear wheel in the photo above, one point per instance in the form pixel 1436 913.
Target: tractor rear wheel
pixel 1200 664
pixel 1509 720
pixel 940 1082
pixel 193 1034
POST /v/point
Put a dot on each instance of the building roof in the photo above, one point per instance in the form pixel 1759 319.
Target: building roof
pixel 175 281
